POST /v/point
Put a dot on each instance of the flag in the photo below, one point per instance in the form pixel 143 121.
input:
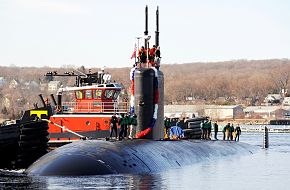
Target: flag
pixel 134 53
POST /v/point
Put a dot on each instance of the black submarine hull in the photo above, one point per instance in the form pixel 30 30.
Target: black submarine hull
pixel 98 157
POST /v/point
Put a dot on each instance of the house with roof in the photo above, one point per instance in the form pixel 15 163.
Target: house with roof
pixel 13 84
pixel 273 99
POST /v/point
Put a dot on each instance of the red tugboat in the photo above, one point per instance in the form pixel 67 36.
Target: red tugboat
pixel 85 109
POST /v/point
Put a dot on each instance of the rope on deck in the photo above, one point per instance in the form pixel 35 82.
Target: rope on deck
pixel 66 129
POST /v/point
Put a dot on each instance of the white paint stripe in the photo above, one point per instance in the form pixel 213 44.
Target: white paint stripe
pixel 155 71
pixel 132 99
pixel 155 111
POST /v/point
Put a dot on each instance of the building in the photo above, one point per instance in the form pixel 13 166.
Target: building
pixel 224 112
pixel 182 110
pixel 53 85
pixel 286 101
pixel 13 84
pixel 212 111
pixel 273 99
pixel 267 112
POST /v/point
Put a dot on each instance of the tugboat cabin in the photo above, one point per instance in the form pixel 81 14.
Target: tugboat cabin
pixel 102 98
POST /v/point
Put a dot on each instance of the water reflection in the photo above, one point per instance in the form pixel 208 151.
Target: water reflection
pixel 18 180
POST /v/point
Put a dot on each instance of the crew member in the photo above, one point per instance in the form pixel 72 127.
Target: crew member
pixel 152 55
pixel 216 128
pixel 176 133
pixel 113 125
pixel 127 123
pixel 203 128
pixel 133 125
pixel 226 132
pixel 166 126
pixel 232 130
pixel 209 127
pixel 142 55
pixel 238 132
pixel 122 126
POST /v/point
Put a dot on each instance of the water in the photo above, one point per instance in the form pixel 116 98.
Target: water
pixel 266 169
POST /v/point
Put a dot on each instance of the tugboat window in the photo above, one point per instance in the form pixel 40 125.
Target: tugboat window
pixel 116 94
pixel 79 94
pixel 97 94
pixel 88 94
pixel 109 93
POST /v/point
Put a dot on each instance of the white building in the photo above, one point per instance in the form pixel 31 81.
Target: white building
pixel 286 101
pixel 212 111
pixel 53 85
pixel 182 110
pixel 224 112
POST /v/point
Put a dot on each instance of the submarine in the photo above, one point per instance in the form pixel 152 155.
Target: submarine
pixel 148 152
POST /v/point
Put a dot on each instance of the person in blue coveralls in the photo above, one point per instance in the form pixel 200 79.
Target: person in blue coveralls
pixel 176 132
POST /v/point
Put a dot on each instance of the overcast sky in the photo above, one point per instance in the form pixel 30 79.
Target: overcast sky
pixel 97 33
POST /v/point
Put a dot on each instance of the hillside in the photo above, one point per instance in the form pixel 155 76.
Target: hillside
pixel 232 82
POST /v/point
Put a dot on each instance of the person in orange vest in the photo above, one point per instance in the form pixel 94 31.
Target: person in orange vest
pixel 152 55
pixel 142 55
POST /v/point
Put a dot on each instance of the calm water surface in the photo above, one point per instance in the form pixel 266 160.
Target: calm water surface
pixel 265 169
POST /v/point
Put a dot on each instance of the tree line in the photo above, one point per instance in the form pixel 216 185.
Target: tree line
pixel 245 82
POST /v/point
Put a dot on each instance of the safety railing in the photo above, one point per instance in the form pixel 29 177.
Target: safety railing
pixel 95 107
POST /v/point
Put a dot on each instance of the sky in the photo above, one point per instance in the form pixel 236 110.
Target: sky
pixel 97 33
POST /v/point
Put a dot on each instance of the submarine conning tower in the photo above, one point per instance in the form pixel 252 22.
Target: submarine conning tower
pixel 148 90
pixel 149 102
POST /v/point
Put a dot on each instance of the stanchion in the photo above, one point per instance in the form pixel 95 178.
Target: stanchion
pixel 266 138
